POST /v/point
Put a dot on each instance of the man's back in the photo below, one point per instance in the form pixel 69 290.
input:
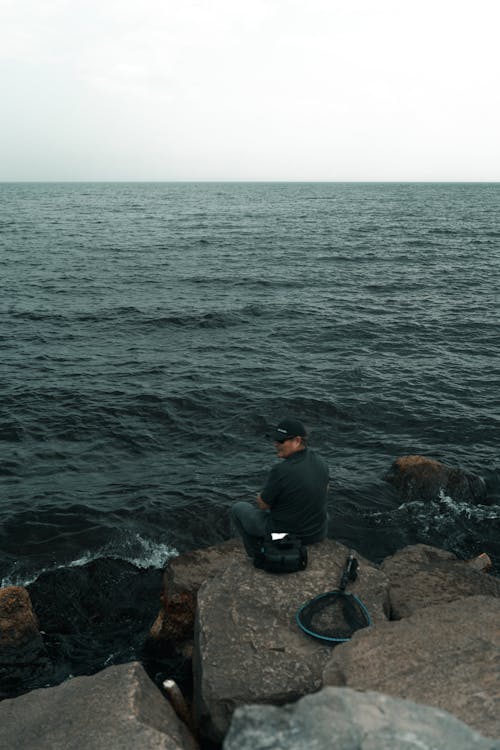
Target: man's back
pixel 296 492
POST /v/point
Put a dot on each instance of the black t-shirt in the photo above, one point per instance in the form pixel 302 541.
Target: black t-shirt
pixel 296 490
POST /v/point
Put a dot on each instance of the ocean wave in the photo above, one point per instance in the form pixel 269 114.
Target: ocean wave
pixel 68 316
pixel 464 528
pixel 440 512
pixel 208 319
pixel 249 281
pixel 135 317
pixel 135 549
pixel 445 231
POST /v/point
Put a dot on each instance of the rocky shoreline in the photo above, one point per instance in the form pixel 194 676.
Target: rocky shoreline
pixel 426 669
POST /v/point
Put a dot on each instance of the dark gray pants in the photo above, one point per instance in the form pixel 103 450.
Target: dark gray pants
pixel 251 523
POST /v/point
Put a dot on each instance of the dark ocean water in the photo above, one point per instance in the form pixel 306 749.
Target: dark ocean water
pixel 151 333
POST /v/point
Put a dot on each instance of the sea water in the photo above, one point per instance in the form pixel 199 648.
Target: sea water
pixel 152 333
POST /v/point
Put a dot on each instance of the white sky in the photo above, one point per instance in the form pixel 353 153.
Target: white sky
pixel 261 90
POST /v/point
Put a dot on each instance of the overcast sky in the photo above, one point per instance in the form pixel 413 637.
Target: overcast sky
pixel 261 90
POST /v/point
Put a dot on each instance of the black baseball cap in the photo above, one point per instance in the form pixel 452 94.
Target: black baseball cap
pixel 286 429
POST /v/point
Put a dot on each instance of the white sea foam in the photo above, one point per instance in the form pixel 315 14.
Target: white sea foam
pixel 443 507
pixel 476 512
pixel 149 554
pixel 135 549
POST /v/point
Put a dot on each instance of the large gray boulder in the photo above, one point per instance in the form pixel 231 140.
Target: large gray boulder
pixel 248 648
pixel 421 478
pixel 420 576
pixel 117 708
pixel 446 656
pixel 345 719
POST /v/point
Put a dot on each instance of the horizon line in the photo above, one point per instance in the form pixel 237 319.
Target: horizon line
pixel 249 181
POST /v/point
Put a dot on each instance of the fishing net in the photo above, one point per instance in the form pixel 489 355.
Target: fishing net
pixel 336 615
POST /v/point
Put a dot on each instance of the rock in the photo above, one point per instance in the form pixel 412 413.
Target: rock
pixel 420 576
pixel 421 478
pixel 445 655
pixel 482 562
pixel 117 708
pixel 20 640
pixel 182 578
pixel 24 661
pixel 345 719
pixel 248 647
pixel 69 600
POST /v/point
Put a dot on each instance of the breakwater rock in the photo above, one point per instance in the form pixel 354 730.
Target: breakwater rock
pixel 346 719
pixel 421 576
pixel 247 645
pixel 22 650
pixel 434 640
pixel 19 634
pixel 182 579
pixel 119 707
pixel 248 649
pixel 422 478
pixel 445 655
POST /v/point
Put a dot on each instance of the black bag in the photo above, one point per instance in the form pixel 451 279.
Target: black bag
pixel 285 555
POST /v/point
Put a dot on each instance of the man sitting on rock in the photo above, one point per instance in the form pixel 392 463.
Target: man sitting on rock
pixel 294 497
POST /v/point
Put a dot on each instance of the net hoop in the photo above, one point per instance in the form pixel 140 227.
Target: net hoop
pixel 326 638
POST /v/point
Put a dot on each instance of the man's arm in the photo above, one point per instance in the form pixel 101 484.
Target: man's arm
pixel 261 504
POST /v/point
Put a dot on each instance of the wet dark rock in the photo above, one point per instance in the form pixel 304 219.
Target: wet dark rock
pixel 421 478
pixel 117 708
pixel 248 647
pixel 445 655
pixel 95 614
pixel 100 595
pixel 420 576
pixel 345 719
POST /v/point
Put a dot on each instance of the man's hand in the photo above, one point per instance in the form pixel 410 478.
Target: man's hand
pixel 261 504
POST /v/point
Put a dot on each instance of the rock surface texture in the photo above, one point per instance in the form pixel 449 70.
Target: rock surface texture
pixel 19 634
pixel 182 578
pixel 445 655
pixel 420 576
pixel 23 656
pixel 118 708
pixel 421 478
pixel 248 647
pixel 344 719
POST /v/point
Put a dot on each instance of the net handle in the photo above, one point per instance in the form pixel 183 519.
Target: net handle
pixel 349 572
